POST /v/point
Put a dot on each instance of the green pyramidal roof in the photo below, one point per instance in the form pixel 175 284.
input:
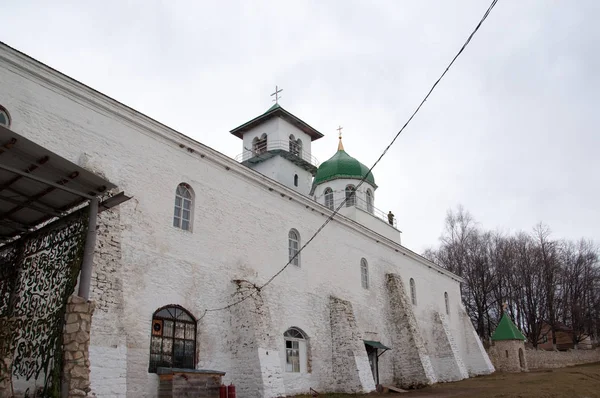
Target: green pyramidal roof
pixel 507 330
pixel 342 165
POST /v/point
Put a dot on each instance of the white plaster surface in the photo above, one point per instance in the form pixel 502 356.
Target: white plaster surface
pixel 241 224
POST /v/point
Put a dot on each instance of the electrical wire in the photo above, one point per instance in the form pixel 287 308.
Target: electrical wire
pixel 258 289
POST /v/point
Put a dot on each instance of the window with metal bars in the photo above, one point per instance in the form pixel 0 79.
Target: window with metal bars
pixel 413 291
pixel 184 200
pixel 173 339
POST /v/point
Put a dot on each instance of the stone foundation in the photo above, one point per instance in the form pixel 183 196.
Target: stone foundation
pixel 411 361
pixel 351 369
pixel 196 383
pixel 76 343
pixel 539 359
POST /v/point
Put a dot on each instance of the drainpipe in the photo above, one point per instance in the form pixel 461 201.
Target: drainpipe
pixel 85 278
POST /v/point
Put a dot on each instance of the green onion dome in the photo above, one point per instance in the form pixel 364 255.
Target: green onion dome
pixel 342 165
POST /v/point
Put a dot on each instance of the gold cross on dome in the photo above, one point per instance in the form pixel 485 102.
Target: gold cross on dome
pixel 340 145
pixel 276 94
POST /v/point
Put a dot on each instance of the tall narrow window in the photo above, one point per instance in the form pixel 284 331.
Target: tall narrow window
pixel 295 180
pixel 173 339
pixel 350 196
pixel 294 247
pixel 364 273
pixel 413 291
pixel 295 351
pixel 299 147
pixel 182 217
pixel 447 303
pixel 4 117
pixel 329 198
pixel 369 201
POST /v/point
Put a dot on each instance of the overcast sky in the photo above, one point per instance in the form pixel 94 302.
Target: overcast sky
pixel 511 133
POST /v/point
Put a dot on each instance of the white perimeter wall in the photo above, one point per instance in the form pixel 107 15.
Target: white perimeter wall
pixel 240 232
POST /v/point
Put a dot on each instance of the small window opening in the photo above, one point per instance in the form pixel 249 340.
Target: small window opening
pixel 506 353
pixel 413 291
pixel 295 180
pixel 447 303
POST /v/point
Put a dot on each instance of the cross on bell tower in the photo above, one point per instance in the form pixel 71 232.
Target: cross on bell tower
pixel 276 94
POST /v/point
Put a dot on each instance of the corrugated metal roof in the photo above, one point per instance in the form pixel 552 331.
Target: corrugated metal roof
pixel 37 185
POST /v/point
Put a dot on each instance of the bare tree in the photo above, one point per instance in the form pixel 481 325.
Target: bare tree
pixel 543 281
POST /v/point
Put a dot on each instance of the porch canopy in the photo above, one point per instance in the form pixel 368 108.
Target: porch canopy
pixel 37 185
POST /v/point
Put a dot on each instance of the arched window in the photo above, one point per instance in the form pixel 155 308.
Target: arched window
pixel 259 145
pixel 350 196
pixel 294 247
pixel 184 200
pixel 364 273
pixel 294 145
pixel 413 291
pixel 295 351
pixel 369 201
pixel 295 180
pixel 329 198
pixel 447 303
pixel 173 339
pixel 299 146
pixel 4 117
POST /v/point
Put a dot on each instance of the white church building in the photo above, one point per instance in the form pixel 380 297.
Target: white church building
pixel 355 309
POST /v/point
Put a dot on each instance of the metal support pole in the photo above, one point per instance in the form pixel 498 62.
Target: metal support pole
pixel 85 277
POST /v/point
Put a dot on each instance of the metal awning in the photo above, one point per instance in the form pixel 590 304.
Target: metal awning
pixel 37 185
pixel 376 344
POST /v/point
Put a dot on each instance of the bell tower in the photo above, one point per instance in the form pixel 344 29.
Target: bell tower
pixel 278 145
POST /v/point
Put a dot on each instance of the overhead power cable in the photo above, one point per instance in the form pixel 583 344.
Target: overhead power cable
pixel 343 203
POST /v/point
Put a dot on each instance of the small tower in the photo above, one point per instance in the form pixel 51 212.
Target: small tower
pixel 278 145
pixel 508 352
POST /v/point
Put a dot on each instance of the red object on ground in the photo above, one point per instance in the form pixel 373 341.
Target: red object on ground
pixel 231 391
pixel 223 391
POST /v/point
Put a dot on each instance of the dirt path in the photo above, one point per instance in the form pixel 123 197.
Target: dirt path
pixel 573 382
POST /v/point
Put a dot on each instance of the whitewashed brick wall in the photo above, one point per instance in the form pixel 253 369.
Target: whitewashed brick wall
pixel 241 224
